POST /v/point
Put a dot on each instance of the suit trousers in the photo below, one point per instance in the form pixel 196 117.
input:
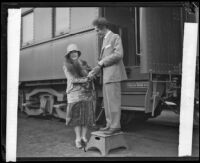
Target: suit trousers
pixel 112 104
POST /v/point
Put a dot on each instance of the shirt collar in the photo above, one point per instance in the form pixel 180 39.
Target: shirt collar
pixel 107 34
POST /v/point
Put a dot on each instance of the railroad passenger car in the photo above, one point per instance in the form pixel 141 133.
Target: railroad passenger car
pixel 152 39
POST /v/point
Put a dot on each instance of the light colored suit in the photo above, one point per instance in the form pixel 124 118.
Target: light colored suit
pixel 112 58
pixel 113 73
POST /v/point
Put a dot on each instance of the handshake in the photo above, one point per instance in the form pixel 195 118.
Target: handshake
pixel 92 74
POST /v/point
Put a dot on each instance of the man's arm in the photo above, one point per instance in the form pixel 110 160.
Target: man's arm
pixel 116 56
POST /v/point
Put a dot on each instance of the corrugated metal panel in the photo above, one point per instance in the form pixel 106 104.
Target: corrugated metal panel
pixel 44 61
pixel 82 17
pixel 42 24
pixel 36 63
pixel 25 56
pixel 161 45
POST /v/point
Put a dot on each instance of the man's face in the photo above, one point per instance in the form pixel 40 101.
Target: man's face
pixel 100 32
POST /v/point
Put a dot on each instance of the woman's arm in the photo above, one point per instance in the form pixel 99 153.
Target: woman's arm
pixel 79 80
pixel 73 79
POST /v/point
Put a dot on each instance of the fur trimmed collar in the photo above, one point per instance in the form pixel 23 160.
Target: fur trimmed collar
pixel 78 68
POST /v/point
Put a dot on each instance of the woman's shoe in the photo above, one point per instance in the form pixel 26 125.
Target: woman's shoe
pixel 84 143
pixel 84 139
pixel 78 144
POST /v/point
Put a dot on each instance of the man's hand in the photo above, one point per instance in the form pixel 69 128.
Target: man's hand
pixel 91 77
pixel 94 71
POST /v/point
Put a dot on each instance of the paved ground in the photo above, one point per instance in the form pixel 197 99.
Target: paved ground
pixel 51 138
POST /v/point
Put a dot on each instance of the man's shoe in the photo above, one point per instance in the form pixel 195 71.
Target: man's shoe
pixel 104 128
pixel 112 131
pixel 95 128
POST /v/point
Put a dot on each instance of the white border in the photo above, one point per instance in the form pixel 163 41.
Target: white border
pixel 187 89
pixel 13 33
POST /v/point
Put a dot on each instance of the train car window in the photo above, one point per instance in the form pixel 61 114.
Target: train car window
pixel 27 28
pixel 62 22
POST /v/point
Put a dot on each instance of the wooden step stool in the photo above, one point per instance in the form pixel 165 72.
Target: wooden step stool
pixel 106 142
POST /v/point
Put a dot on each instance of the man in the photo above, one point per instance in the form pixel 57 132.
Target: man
pixel 111 62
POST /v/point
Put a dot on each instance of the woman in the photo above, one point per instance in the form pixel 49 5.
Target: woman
pixel 80 113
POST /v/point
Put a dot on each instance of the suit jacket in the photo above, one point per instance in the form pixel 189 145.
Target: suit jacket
pixel 112 58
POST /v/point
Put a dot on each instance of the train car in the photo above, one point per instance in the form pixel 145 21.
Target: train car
pixel 152 39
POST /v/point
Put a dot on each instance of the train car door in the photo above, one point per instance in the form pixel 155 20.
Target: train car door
pixel 160 39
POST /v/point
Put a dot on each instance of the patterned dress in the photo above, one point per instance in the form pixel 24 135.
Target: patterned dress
pixel 81 101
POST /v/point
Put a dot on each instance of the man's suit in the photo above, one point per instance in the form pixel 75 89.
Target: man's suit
pixel 111 58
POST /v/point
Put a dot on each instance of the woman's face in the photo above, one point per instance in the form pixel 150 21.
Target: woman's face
pixel 74 55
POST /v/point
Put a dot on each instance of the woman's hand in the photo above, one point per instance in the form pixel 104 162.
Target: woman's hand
pixel 92 74
pixel 91 77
